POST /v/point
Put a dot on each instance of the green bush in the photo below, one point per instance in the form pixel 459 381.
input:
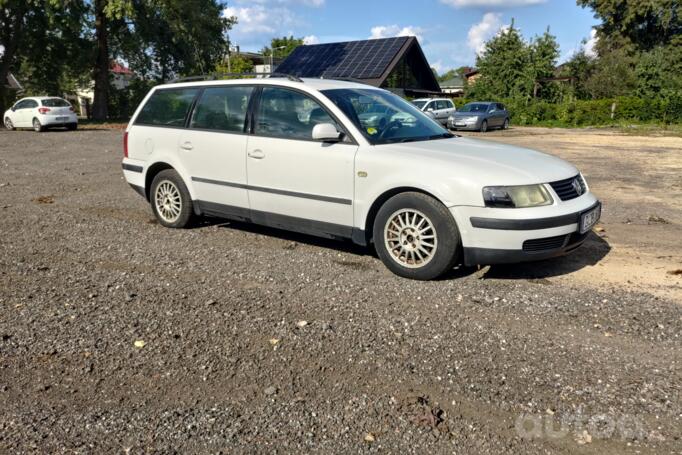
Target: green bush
pixel 579 113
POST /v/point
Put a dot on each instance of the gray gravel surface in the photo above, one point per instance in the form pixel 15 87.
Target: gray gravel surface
pixel 117 335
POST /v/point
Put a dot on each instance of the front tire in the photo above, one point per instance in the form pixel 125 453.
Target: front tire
pixel 37 127
pixel 170 200
pixel 505 126
pixel 8 124
pixel 416 237
pixel 484 126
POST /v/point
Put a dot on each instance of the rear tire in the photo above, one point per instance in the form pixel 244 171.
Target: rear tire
pixel 72 126
pixel 8 124
pixel 416 237
pixel 484 126
pixel 37 127
pixel 170 200
pixel 505 126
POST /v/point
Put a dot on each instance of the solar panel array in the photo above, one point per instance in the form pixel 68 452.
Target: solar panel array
pixel 355 59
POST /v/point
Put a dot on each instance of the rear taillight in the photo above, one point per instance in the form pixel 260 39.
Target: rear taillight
pixel 43 110
pixel 125 144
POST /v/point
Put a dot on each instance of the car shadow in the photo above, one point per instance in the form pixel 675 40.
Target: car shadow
pixel 343 245
pixel 590 253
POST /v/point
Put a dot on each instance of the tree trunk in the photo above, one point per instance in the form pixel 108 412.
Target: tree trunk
pixel 11 35
pixel 100 105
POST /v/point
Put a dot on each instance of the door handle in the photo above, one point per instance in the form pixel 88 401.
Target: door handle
pixel 256 154
pixel 187 146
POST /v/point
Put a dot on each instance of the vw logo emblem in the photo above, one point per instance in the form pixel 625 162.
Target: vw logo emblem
pixel 577 186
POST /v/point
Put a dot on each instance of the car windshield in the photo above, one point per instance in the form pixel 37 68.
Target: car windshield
pixel 55 102
pixel 419 104
pixel 384 117
pixel 474 107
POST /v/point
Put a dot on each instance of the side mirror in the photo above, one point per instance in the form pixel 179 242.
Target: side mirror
pixel 326 132
pixel 13 109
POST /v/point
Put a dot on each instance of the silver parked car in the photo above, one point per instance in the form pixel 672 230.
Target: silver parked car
pixel 480 116
pixel 438 108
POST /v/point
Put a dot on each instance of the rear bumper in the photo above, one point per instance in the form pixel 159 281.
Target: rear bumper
pixel 58 120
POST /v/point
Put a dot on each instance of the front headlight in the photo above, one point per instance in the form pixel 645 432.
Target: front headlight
pixel 516 196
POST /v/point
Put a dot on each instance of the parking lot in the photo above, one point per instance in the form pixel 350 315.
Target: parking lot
pixel 119 335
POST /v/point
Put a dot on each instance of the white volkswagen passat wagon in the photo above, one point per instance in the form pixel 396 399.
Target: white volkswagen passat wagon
pixel 299 155
pixel 41 113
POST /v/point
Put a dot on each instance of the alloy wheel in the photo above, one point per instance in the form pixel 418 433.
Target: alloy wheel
pixel 410 238
pixel 168 201
pixel 8 124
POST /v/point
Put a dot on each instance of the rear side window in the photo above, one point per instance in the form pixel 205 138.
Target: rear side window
pixel 500 106
pixel 289 114
pixel 55 102
pixel 167 107
pixel 222 109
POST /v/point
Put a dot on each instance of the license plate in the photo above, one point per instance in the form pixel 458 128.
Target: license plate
pixel 589 219
pixel 61 119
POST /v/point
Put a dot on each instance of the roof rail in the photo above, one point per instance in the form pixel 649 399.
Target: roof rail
pixel 217 76
pixel 345 78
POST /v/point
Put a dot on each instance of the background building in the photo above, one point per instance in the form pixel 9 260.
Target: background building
pixel 397 64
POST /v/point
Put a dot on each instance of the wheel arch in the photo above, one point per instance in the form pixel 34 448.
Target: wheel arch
pixel 367 237
pixel 152 172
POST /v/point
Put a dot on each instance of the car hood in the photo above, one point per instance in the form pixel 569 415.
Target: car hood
pixel 485 162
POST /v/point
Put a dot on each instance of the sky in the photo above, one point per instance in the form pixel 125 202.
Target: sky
pixel 451 32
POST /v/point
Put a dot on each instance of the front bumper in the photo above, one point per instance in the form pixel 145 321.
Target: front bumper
pixel 498 236
pixel 464 127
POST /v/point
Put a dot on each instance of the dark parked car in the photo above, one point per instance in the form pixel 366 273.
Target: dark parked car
pixel 480 116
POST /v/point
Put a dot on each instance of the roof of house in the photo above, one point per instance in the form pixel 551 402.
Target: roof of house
pixel 371 61
pixel 452 82
pixel 118 68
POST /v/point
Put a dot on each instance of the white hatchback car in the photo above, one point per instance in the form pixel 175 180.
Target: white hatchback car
pixel 296 154
pixel 41 113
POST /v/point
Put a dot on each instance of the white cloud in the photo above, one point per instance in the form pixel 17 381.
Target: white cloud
pixel 257 24
pixel 438 66
pixel 311 39
pixel 490 25
pixel 491 3
pixel 389 31
pixel 313 3
pixel 591 43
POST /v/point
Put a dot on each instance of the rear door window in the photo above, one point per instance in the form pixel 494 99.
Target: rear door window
pixel 289 114
pixel 222 109
pixel 167 107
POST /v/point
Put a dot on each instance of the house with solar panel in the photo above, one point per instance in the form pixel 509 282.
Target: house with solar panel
pixel 396 64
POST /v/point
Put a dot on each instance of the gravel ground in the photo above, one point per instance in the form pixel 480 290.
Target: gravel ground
pixel 117 335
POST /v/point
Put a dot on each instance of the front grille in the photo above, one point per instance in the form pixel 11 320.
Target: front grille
pixel 566 189
pixel 548 243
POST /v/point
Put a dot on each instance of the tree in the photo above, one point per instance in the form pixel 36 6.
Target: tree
pixel 235 63
pixel 159 39
pixel 543 54
pixel 503 67
pixel 580 67
pixel 644 24
pixel 283 47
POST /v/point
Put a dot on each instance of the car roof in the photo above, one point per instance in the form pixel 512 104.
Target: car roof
pixel 315 84
pixel 431 99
